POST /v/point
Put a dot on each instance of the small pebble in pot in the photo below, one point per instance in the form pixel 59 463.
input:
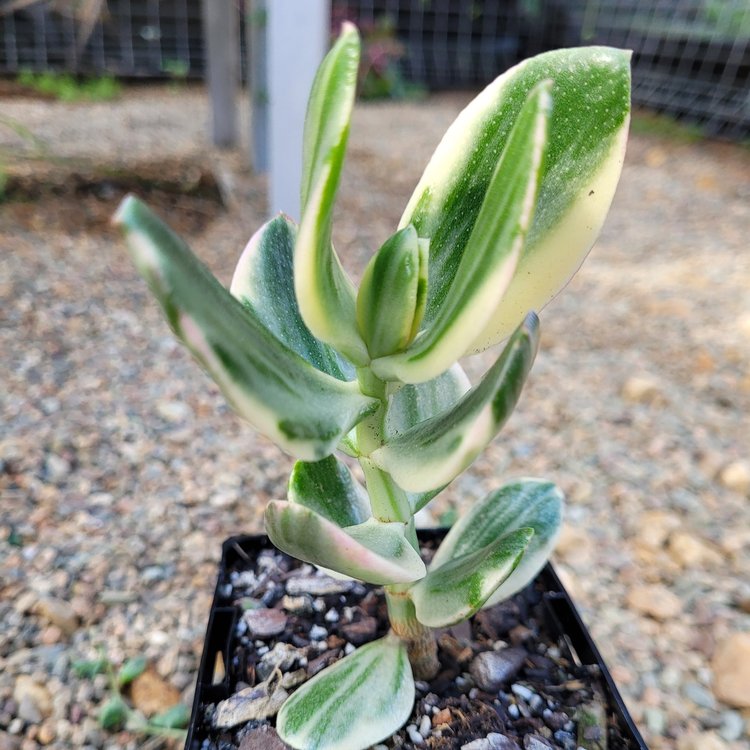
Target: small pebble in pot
pixel 425 726
pixel 318 633
pixel 414 735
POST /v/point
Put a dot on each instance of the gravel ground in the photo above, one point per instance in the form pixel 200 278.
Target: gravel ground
pixel 122 470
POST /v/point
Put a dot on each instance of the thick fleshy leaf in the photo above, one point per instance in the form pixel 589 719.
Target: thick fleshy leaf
pixel 587 135
pixel 457 589
pixel 434 452
pixel 285 398
pixel 491 253
pixel 525 503
pixel 390 302
pixel 264 282
pixel 372 551
pixel 325 294
pixel 353 704
pixel 328 488
pixel 412 404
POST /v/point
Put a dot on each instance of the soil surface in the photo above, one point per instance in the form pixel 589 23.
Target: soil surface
pixel 122 469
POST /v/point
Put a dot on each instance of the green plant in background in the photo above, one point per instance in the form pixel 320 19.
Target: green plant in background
pixel 68 88
pixel 116 713
pixel 504 214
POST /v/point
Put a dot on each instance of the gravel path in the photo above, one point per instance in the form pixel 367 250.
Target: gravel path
pixel 122 470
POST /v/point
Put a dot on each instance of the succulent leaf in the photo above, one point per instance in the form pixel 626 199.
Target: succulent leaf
pixel 328 488
pixel 491 253
pixel 371 551
pixel 587 134
pixel 395 279
pixel 412 404
pixel 525 503
pixel 457 589
pixel 353 704
pixel 305 411
pixel 325 294
pixel 434 452
pixel 264 282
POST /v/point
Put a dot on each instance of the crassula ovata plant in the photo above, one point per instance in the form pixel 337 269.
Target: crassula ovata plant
pixel 504 214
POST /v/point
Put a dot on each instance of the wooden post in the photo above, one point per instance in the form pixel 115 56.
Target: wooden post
pixel 298 33
pixel 256 24
pixel 221 35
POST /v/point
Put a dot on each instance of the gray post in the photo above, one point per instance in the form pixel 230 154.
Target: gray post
pixel 221 34
pixel 298 33
pixel 257 76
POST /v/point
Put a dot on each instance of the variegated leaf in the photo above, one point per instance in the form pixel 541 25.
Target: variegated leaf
pixel 353 704
pixel 587 135
pixel 491 253
pixel 395 280
pixel 412 404
pixel 264 282
pixel 328 488
pixel 325 294
pixel 457 589
pixel 525 503
pixel 285 398
pixel 434 452
pixel 371 551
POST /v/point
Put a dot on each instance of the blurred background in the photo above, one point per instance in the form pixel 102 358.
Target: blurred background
pixel 121 467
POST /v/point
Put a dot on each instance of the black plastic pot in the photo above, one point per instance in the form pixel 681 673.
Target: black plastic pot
pixel 563 621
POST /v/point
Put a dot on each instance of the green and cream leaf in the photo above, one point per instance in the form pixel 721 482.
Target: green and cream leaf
pixel 525 503
pixel 354 704
pixel 371 551
pixel 396 273
pixel 432 453
pixel 587 135
pixel 457 589
pixel 328 488
pixel 264 282
pixel 325 294
pixel 491 254
pixel 302 409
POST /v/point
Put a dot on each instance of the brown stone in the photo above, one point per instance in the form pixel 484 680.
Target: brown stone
pixel 443 716
pixel 263 738
pixel 654 600
pixel 263 623
pixel 361 631
pixel 151 694
pixel 731 668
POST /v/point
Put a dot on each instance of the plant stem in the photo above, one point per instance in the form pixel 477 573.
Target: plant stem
pixel 419 639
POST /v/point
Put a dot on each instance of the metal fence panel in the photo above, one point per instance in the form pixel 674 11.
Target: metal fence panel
pixel 691 57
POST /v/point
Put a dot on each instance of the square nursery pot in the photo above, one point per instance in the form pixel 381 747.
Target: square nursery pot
pixel 554 689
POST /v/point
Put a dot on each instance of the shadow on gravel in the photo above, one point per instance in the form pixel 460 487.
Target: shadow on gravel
pixel 74 198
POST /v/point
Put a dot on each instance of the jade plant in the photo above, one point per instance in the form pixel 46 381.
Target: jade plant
pixel 505 213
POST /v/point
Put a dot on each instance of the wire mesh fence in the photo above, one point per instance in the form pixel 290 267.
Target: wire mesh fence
pixel 691 57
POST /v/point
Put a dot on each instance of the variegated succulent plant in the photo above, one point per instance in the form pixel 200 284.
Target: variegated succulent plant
pixel 504 214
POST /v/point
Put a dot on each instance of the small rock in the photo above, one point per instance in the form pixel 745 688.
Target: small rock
pixel 731 668
pixel 701 741
pixel 46 734
pixel 297 605
pixel 655 720
pixel 522 692
pixel 28 710
pixel 492 669
pixel 699 695
pixel 689 551
pixel 318 633
pixel 57 612
pixel 736 476
pixel 262 738
pixel 8 742
pixel 641 389
pixel 151 694
pixel 259 702
pixel 173 411
pixel 56 468
pixel 263 623
pixel 360 632
pixel 535 742
pixel 443 716
pixel 317 585
pixel 654 600
pixel 28 691
pixel 732 726
pixel 281 656
pixel 414 735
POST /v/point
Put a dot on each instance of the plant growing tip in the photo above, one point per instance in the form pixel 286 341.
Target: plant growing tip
pixel 505 212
